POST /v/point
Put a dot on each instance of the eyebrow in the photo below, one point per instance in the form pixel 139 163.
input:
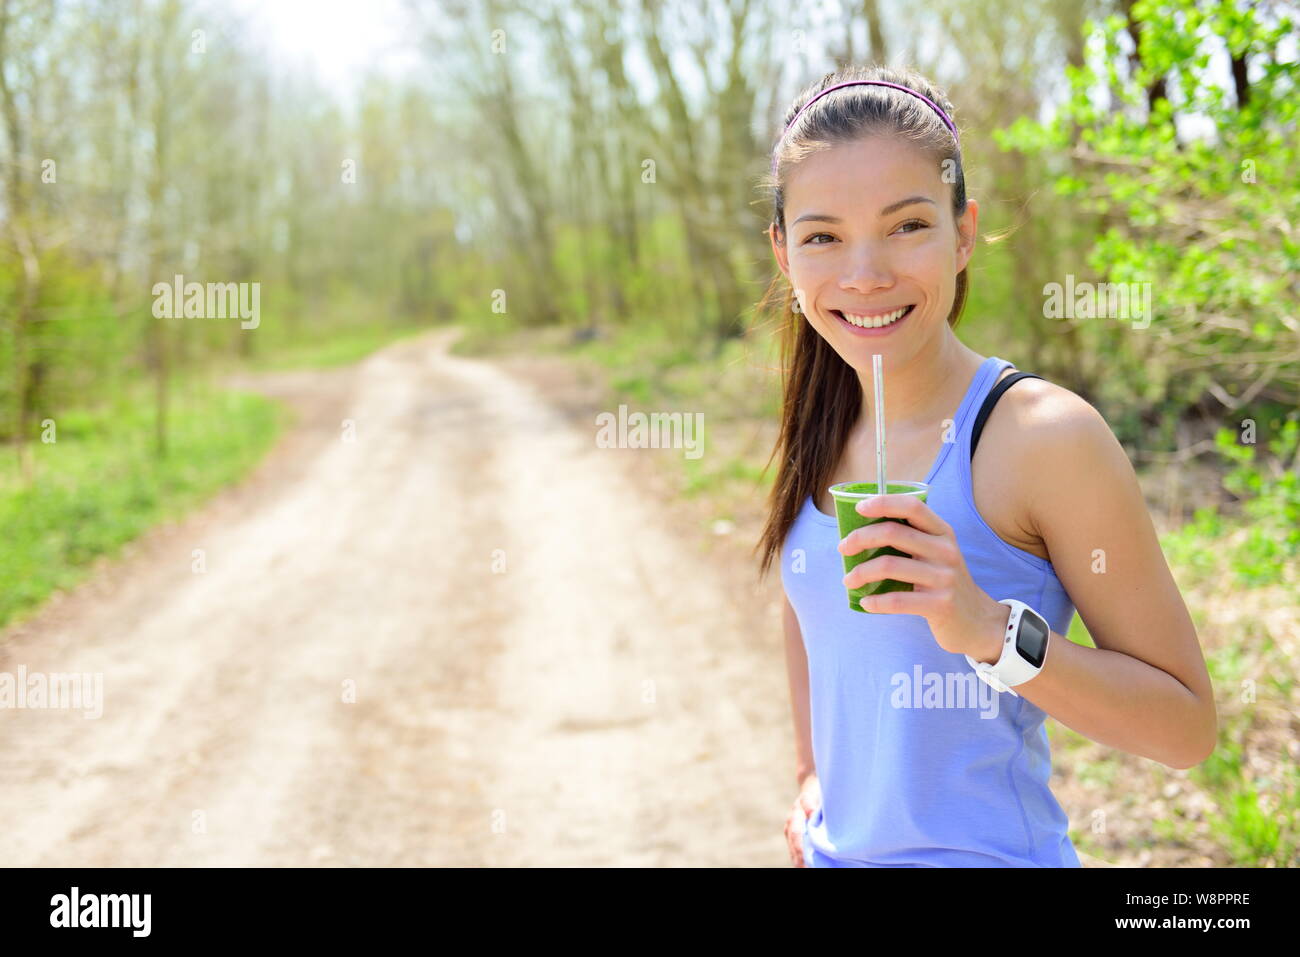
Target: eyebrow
pixel 891 208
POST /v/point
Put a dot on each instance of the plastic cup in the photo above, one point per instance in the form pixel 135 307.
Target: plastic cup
pixel 847 495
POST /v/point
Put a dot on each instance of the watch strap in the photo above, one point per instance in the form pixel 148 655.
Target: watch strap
pixel 1010 669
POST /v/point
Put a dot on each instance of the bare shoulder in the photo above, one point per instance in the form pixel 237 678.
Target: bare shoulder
pixel 1043 406
pixel 1028 433
pixel 1057 438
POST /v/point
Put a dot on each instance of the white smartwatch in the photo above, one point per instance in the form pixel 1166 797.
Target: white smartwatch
pixel 1024 648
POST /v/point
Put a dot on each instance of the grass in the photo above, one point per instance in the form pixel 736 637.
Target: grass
pixel 98 484
pixel 650 371
pixel 340 348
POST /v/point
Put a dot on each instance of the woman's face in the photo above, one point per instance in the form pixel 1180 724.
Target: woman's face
pixel 870 230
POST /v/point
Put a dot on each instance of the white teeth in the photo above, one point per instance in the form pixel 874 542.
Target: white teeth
pixel 874 322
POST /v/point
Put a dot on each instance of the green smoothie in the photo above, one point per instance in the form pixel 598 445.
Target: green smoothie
pixel 847 495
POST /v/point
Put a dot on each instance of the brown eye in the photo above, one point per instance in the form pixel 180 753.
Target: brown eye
pixel 918 223
pixel 814 236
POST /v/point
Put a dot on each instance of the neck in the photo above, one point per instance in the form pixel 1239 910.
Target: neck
pixel 920 394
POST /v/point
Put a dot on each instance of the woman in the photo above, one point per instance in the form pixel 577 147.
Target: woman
pixel 907 756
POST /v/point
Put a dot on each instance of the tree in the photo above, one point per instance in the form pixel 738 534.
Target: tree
pixel 1208 221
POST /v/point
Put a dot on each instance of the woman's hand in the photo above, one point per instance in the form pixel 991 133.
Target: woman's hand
pixel 962 616
pixel 809 800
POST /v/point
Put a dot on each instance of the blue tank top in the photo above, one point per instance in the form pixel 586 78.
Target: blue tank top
pixel 920 762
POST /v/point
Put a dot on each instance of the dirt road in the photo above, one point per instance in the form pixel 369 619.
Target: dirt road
pixel 453 632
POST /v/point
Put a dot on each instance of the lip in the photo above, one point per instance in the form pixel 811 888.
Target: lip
pixel 872 333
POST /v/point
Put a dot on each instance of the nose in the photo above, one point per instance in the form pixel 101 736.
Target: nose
pixel 867 270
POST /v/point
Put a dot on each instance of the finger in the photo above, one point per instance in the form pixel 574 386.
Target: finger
pixel 897 535
pixel 900 569
pixel 909 507
pixel 899 603
pixel 794 829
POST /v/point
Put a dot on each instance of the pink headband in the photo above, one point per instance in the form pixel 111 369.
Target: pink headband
pixel 929 102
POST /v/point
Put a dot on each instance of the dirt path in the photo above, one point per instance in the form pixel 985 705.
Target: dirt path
pixel 351 681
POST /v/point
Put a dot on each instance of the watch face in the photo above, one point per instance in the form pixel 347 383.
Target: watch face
pixel 1031 639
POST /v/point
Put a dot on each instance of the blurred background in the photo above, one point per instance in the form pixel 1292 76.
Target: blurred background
pixel 576 183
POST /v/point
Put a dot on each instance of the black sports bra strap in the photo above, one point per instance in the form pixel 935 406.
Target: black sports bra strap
pixel 991 400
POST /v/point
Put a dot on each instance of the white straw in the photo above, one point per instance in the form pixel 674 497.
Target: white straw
pixel 877 376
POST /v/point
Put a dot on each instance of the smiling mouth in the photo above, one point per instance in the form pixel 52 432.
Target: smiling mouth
pixel 875 322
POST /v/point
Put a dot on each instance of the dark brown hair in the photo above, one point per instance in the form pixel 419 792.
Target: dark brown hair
pixel 821 393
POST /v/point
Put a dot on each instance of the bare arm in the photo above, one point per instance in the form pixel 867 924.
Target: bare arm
pixel 796 662
pixel 1144 688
